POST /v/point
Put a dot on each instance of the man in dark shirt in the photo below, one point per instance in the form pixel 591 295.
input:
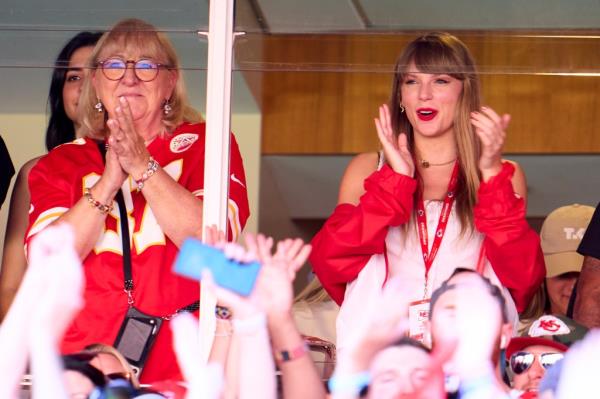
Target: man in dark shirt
pixel 7 171
pixel 587 302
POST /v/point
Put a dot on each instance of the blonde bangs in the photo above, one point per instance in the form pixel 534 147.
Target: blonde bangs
pixel 139 37
pixel 445 55
pixel 433 61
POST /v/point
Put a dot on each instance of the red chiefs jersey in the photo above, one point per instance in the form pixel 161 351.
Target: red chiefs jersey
pixel 58 181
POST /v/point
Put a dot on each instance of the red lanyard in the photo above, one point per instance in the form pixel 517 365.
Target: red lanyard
pixel 429 256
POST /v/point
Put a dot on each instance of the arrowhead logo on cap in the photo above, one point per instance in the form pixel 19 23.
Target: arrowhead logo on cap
pixel 548 325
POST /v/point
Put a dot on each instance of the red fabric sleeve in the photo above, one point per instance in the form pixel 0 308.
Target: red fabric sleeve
pixel 50 197
pixel 238 209
pixel 512 247
pixel 56 182
pixel 352 234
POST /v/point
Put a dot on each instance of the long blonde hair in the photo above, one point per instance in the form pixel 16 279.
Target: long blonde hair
pixel 538 306
pixel 138 34
pixel 313 293
pixel 444 53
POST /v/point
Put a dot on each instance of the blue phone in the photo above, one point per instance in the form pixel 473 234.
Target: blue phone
pixel 195 256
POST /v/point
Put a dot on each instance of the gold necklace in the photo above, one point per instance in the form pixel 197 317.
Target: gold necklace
pixel 427 164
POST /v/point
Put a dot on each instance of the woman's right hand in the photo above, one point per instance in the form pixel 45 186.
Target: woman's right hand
pixel 396 151
pixel 113 175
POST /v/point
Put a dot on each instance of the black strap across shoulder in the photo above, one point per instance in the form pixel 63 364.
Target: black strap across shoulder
pixel 126 243
pixel 127 277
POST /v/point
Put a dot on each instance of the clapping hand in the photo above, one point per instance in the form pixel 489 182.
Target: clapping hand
pixel 491 130
pixel 279 271
pixel 273 291
pixel 126 143
pixel 395 149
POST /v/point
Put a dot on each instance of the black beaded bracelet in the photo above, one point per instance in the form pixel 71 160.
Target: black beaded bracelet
pixel 223 313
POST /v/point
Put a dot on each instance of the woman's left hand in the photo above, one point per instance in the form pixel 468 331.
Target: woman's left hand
pixel 273 293
pixel 491 130
pixel 126 142
pixel 280 271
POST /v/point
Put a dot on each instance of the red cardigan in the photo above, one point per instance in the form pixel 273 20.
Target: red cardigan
pixel 352 234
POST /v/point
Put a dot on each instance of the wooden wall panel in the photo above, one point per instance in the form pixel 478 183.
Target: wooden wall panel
pixel 320 93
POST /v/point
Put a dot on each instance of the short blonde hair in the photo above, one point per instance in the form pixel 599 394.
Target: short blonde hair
pixel 135 33
pixel 110 350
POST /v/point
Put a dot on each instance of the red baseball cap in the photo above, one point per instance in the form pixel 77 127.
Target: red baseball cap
pixel 519 343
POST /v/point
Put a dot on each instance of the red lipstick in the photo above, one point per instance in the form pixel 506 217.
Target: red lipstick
pixel 426 114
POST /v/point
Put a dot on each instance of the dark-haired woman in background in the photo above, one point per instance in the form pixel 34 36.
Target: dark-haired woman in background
pixel 65 88
pixel 63 125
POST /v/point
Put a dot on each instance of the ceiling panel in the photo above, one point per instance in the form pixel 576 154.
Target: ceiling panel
pixel 291 16
pixel 86 14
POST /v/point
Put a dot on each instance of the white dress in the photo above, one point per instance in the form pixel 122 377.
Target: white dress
pixel 405 259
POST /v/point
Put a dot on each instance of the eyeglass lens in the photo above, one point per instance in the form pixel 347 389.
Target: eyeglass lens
pixel 114 69
pixel 118 376
pixel 522 361
pixel 548 359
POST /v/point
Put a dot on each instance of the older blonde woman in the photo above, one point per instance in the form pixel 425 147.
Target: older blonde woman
pixel 154 158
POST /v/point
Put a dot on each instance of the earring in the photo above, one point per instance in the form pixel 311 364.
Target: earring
pixel 401 108
pixel 167 107
pixel 99 107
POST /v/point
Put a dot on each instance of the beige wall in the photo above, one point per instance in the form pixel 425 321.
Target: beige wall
pixel 246 128
pixel 24 137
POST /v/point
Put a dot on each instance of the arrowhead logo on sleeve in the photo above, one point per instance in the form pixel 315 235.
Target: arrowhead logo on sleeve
pixel 182 142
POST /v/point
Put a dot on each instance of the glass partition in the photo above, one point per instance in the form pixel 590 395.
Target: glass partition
pixel 319 70
pixel 308 78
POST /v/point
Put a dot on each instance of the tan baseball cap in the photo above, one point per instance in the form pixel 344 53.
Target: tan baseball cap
pixel 561 234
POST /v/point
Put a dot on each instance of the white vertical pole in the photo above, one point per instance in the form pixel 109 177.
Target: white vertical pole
pixel 216 158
